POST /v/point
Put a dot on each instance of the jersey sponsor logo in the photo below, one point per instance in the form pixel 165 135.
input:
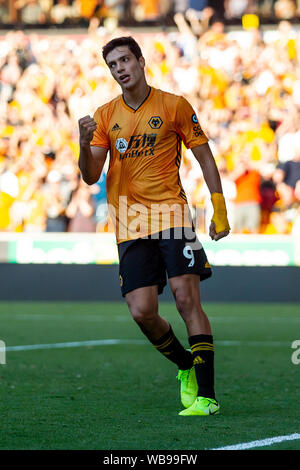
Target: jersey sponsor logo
pixel 196 128
pixel 116 127
pixel 194 119
pixel 155 122
pixel 140 145
pixel 121 145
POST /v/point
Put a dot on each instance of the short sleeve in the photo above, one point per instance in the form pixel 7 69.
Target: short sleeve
pixel 187 125
pixel 100 138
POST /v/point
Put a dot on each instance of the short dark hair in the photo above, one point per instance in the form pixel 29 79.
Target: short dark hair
pixel 123 41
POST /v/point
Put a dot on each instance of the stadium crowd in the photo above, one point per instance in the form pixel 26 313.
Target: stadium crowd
pixel 244 86
pixel 74 12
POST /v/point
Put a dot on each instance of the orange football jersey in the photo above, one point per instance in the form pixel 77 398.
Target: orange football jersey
pixel 144 190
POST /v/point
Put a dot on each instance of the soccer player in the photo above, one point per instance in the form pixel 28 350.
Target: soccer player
pixel 143 130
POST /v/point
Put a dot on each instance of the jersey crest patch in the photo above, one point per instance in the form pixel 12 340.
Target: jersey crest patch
pixel 155 122
pixel 121 145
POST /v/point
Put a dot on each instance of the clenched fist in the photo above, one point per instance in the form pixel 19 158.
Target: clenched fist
pixel 87 127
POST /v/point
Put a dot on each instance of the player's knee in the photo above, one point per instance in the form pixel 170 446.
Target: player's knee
pixel 184 303
pixel 188 305
pixel 142 314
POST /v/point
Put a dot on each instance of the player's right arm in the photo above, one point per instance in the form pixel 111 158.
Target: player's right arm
pixel 91 159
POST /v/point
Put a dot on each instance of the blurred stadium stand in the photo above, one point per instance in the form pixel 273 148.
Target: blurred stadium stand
pixel 132 13
pixel 244 85
pixel 237 62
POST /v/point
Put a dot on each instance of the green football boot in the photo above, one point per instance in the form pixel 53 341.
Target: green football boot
pixel 202 406
pixel 188 386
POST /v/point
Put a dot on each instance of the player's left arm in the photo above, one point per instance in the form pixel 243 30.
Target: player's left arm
pixel 219 226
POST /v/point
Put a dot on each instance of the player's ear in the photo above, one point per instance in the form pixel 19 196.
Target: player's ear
pixel 142 61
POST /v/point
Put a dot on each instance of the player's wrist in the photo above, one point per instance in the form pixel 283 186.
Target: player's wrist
pixel 84 143
pixel 220 213
pixel 218 201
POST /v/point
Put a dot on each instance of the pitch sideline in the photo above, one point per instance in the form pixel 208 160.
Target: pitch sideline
pixel 108 342
pixel 261 443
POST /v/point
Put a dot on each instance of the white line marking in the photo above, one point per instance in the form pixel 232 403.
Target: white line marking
pixel 74 344
pixel 84 317
pixel 126 317
pixel 261 443
pixel 252 343
pixel 108 342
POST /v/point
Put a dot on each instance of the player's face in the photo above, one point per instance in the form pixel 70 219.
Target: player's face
pixel 126 69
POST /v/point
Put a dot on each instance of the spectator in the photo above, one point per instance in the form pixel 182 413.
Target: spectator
pixel 287 178
pixel 268 193
pixel 199 21
pixel 235 8
pixel 4 12
pixel 11 72
pixel 9 190
pixel 278 224
pixel 64 10
pixel 247 213
pixel 55 208
pixel 265 8
pixel 145 10
pixel 180 6
pixel 285 9
pixel 80 211
pixel 296 221
pixel 288 137
pixel 289 171
pixel 100 204
pixel 31 11
pixel 198 6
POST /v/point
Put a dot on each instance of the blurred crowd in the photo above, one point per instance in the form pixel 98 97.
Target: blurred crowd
pixel 243 84
pixel 112 12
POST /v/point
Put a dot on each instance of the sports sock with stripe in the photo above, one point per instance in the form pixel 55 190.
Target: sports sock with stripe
pixel 172 349
pixel 203 359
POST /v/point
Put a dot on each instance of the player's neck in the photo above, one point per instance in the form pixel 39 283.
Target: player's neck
pixel 136 96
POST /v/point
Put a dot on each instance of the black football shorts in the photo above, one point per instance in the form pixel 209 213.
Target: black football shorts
pixel 147 261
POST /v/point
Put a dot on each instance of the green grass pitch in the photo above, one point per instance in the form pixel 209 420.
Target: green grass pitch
pixel 126 396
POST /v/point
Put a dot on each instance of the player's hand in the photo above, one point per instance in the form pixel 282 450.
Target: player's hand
pixel 87 127
pixel 214 235
pixel 219 226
